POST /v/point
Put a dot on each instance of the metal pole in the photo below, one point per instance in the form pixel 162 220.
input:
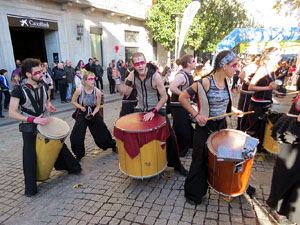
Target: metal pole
pixel 176 36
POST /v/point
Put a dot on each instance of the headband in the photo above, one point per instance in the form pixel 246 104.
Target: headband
pixel 227 59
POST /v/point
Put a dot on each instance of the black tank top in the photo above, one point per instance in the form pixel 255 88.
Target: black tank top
pixel 264 95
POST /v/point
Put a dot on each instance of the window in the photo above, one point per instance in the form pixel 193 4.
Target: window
pixel 128 53
pixel 131 36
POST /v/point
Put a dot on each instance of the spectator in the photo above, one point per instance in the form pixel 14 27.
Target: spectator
pixel 110 79
pixel 90 67
pixel 1 87
pixel 5 90
pixel 99 74
pixel 78 79
pixel 61 77
pixel 15 80
pixel 18 68
pixel 70 73
pixel 80 65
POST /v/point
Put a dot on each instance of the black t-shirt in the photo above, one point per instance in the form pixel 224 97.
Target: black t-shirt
pixel 17 92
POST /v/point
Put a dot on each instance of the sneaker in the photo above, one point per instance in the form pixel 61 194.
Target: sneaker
pixel 281 219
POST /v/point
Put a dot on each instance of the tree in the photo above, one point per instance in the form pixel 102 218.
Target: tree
pixel 291 4
pixel 214 20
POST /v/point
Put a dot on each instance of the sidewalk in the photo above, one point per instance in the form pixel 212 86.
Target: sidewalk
pixel 65 106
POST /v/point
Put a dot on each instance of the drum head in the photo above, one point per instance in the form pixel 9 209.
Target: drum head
pixel 55 128
pixel 134 123
pixel 232 139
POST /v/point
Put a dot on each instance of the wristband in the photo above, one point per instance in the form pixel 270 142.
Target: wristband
pixel 118 81
pixel 30 119
pixel 196 115
pixel 154 110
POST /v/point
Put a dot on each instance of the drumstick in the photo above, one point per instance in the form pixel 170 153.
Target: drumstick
pixel 229 114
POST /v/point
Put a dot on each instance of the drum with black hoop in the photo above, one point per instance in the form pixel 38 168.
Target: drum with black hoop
pixel 141 145
pixel 49 141
pixel 229 171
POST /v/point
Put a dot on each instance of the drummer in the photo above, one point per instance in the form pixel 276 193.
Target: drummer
pixel 33 97
pixel 182 124
pixel 213 94
pixel 87 100
pixel 262 84
pixel 284 199
pixel 152 96
pixel 245 95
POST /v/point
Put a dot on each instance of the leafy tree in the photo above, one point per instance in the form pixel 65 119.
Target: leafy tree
pixel 214 20
pixel 292 4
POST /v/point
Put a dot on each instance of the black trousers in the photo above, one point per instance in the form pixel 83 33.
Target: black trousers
pixel 258 121
pixel 112 85
pixel 6 99
pixel 0 102
pixel 62 91
pixel 100 80
pixel 98 129
pixel 243 105
pixel 65 161
pixel 183 128
pixel 195 186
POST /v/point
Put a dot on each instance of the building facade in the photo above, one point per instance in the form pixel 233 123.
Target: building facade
pixel 59 30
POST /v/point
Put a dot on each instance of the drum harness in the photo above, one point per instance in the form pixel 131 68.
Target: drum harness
pixel 37 104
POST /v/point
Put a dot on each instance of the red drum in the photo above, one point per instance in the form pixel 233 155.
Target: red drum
pixel 228 178
pixel 141 145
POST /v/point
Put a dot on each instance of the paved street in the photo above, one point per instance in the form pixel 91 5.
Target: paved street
pixel 107 196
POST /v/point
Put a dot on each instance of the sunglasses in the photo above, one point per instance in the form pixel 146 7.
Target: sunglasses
pixel 37 73
pixel 139 63
pixel 91 78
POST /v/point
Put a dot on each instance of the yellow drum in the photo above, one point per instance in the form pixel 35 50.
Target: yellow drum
pixel 141 145
pixel 49 141
pixel 269 143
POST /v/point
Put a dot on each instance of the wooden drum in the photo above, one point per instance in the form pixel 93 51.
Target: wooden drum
pixel 141 145
pixel 228 178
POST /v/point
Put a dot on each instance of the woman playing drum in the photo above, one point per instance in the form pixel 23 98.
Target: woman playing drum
pixel 214 99
pixel 87 101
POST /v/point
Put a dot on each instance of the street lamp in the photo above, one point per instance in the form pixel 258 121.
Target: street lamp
pixel 176 33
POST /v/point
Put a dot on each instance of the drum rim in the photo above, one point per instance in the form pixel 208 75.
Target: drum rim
pixel 229 196
pixel 208 142
pixel 55 137
pixel 140 131
pixel 143 177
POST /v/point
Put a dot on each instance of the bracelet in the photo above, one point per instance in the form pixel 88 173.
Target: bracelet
pixel 118 81
pixel 196 115
pixel 154 110
pixel 30 119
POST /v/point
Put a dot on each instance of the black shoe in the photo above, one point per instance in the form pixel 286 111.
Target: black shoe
pixel 250 191
pixel 191 202
pixel 75 172
pixel 30 194
pixel 115 149
pixel 182 171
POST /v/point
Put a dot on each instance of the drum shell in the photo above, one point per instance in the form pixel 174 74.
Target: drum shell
pixel 223 176
pixel 152 157
pixel 269 143
pixel 47 151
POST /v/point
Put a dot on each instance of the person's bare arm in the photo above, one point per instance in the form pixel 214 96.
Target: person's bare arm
pixel 258 75
pixel 122 87
pixel 99 94
pixel 74 100
pixel 179 80
pixel 157 82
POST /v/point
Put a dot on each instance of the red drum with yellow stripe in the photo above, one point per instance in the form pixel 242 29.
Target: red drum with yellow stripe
pixel 141 145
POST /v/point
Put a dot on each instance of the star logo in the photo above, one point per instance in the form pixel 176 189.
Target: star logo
pixel 24 22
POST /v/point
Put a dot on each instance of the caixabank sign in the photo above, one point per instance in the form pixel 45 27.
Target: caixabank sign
pixel 27 22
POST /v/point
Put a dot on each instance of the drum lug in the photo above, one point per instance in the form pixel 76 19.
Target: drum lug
pixel 47 140
pixel 40 137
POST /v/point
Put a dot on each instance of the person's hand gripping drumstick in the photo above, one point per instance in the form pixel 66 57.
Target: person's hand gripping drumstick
pixel 115 73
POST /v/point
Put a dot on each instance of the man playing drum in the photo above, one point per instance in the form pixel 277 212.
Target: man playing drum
pixel 152 96
pixel 33 97
pixel 182 123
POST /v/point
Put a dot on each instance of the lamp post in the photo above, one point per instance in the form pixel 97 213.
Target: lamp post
pixel 176 33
